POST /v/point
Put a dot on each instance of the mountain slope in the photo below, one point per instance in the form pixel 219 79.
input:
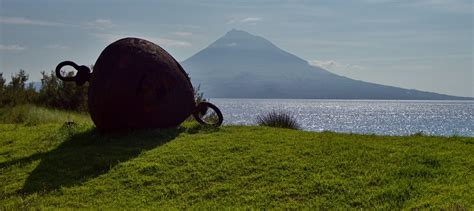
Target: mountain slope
pixel 241 65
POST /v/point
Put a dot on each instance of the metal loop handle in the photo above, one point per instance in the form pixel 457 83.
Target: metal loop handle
pixel 202 108
pixel 83 72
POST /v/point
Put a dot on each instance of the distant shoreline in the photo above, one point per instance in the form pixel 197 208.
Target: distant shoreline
pixel 337 99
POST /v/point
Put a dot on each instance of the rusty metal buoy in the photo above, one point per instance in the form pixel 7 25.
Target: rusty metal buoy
pixel 136 84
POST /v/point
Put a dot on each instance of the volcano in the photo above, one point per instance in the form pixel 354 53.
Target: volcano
pixel 242 65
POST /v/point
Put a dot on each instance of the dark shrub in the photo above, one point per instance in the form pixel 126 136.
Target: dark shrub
pixel 57 94
pixel 279 119
pixel 17 92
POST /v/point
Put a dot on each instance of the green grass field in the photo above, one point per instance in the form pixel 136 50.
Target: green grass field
pixel 45 163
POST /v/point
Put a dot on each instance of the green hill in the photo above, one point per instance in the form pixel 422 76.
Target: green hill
pixel 45 162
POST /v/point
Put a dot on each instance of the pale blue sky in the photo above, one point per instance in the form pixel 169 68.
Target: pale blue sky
pixel 419 44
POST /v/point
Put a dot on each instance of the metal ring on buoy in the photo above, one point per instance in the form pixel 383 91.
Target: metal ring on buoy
pixel 202 108
pixel 83 72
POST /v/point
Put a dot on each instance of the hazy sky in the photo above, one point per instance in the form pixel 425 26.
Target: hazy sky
pixel 419 44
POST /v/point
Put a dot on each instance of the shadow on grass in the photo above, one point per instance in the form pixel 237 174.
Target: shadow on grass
pixel 89 154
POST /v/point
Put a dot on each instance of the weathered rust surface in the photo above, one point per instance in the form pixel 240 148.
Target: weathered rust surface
pixel 137 84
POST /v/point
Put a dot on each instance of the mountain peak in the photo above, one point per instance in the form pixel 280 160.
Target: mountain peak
pixel 242 40
pixel 238 46
pixel 236 32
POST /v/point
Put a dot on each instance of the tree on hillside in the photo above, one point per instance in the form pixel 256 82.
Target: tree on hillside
pixel 49 93
pixel 74 97
pixel 16 92
pixel 2 89
pixel 55 93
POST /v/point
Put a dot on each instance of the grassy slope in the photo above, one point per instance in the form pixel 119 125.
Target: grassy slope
pixel 31 115
pixel 49 164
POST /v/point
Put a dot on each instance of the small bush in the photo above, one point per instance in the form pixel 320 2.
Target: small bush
pixel 419 133
pixel 279 119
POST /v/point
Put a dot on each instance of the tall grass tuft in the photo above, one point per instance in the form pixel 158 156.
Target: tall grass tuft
pixel 279 119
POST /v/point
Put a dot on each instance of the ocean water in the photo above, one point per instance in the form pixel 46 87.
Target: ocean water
pixel 384 117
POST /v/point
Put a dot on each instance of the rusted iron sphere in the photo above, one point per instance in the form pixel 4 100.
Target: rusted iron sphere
pixel 137 84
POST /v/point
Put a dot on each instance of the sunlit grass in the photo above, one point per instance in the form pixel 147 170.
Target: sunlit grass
pixel 57 165
pixel 32 115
